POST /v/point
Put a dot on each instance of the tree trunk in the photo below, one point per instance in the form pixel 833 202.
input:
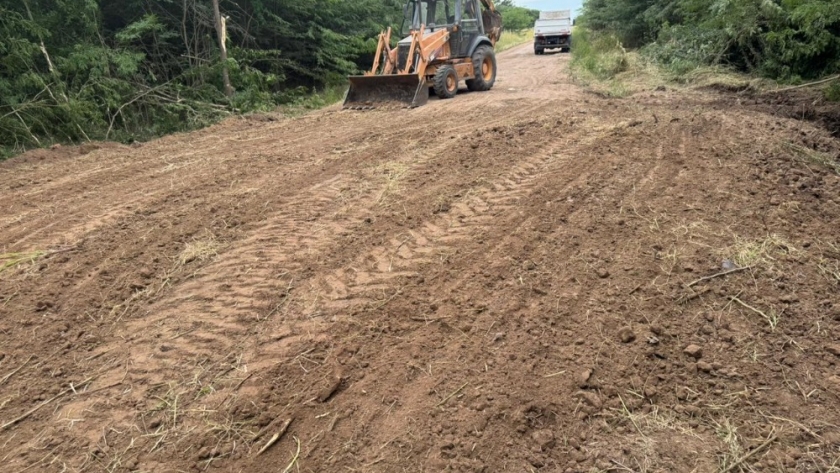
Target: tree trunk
pixel 221 32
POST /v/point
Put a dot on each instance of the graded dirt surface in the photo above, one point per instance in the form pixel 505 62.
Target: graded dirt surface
pixel 506 281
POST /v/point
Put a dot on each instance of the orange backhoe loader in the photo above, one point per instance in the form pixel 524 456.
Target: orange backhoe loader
pixel 446 42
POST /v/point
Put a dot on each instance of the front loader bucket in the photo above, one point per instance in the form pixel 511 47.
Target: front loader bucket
pixel 395 90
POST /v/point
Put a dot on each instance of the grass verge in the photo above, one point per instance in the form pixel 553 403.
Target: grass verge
pixel 601 63
pixel 511 39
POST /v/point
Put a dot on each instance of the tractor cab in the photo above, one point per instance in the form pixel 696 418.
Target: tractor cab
pixel 462 18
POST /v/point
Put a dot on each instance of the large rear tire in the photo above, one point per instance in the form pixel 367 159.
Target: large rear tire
pixel 446 82
pixel 484 65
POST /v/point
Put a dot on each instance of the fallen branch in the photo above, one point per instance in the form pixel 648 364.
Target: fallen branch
pixel 691 297
pixel 809 84
pixel 39 406
pixel 739 301
pixel 274 438
pixel 282 429
pixel 554 374
pixel 294 459
pixel 454 393
pixel 103 388
pixel 136 98
pixel 753 452
pixel 423 319
pixel 724 273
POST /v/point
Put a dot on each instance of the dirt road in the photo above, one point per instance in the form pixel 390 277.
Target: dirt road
pixel 519 280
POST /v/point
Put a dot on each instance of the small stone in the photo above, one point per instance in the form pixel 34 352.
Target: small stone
pixel 42 306
pixel 583 379
pixel 592 399
pixel 694 351
pixel 652 340
pixel 834 349
pixel 704 366
pixel 536 462
pixel 603 273
pixel 327 392
pixel 544 438
pixel 626 334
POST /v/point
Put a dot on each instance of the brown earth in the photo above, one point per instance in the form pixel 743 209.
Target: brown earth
pixel 498 282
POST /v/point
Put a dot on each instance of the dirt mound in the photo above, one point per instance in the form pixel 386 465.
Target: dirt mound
pixel 799 104
pixel 57 152
pixel 567 283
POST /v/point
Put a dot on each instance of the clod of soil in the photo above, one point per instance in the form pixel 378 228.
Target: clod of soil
pixel 694 351
pixel 626 335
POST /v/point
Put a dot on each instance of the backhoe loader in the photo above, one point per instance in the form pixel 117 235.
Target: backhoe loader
pixel 444 42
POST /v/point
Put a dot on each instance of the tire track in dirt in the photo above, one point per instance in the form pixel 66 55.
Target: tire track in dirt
pixel 222 305
pixel 375 276
pixel 263 271
pixel 566 177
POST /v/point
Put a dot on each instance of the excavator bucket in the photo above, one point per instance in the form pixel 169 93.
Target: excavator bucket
pixel 391 90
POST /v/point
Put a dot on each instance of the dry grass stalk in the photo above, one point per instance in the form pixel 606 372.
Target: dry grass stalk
pixel 274 438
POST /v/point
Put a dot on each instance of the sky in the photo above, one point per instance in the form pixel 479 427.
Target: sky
pixel 573 5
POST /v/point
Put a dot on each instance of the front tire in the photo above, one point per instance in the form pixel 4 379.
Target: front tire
pixel 446 82
pixel 484 66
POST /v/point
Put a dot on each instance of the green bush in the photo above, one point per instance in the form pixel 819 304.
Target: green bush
pixel 72 71
pixel 600 55
pixel 832 92
pixel 516 18
pixel 789 40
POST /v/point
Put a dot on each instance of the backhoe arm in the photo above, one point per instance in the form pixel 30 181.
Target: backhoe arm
pixel 492 20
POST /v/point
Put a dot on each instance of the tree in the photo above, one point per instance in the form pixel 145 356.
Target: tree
pixel 73 70
pixel 221 33
pixel 517 18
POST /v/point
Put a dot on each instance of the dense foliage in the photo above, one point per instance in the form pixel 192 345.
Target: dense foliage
pixel 74 70
pixel 517 18
pixel 783 39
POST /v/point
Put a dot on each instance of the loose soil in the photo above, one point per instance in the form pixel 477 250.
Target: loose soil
pixel 526 279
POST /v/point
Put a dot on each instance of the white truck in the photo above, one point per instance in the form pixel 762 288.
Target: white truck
pixel 553 30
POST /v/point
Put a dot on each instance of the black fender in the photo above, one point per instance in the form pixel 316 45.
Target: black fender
pixel 479 41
